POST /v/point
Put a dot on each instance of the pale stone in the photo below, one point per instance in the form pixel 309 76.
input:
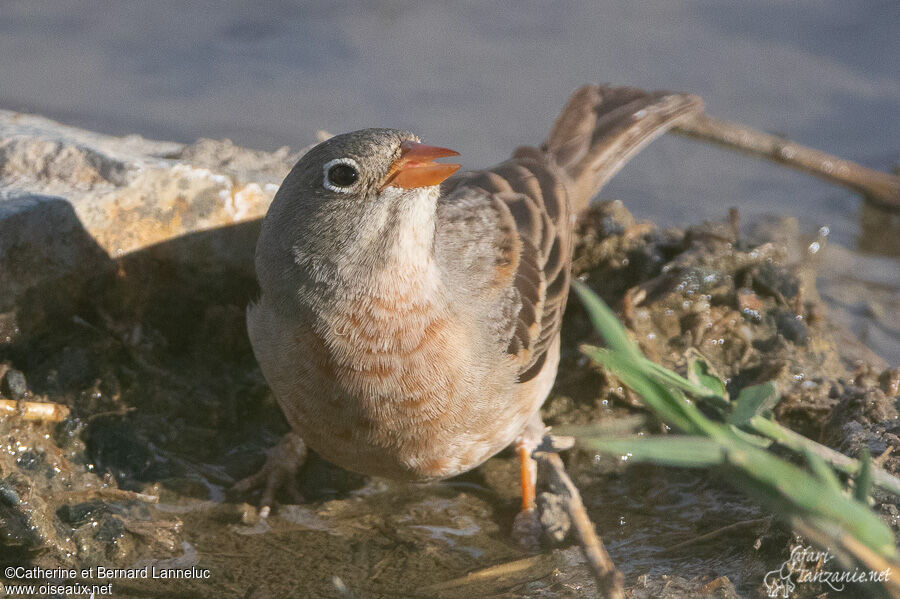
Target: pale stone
pixel 72 200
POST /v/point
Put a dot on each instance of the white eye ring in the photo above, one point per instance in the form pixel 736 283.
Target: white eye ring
pixel 327 167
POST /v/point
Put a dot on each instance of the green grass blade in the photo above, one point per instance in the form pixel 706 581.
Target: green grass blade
pixel 757 440
pixel 810 496
pixel 823 471
pixel 605 321
pixel 863 481
pixel 798 443
pixel 688 451
pixel 701 373
pixel 771 480
pixel 795 493
pixel 752 401
pixel 668 404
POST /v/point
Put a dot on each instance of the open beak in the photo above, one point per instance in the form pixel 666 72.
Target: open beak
pixel 416 166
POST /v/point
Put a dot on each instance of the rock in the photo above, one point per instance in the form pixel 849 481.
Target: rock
pixel 77 514
pixel 71 201
pixel 14 385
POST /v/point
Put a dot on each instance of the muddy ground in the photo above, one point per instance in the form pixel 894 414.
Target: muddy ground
pixel 152 358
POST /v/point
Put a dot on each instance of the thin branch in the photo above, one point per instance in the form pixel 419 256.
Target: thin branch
pixel 880 188
pixel 797 442
pixel 879 461
pixel 34 410
pixel 718 532
pixel 609 580
pixel 506 574
pixel 845 546
pixel 110 494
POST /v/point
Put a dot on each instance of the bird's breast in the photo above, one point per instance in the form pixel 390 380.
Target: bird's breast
pixel 392 382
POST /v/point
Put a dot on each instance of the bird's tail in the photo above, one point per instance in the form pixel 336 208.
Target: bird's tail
pixel 602 127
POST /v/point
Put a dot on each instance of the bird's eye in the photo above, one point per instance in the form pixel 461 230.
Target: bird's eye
pixel 341 174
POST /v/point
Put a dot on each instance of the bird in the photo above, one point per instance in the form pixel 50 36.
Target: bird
pixel 408 321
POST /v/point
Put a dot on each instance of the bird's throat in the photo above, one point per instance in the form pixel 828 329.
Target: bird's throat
pixel 397 238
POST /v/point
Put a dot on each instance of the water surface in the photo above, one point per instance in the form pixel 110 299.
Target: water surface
pixel 484 78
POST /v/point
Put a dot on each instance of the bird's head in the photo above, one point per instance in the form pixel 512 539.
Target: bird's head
pixel 353 199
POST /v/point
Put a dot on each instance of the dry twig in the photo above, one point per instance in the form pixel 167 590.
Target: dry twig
pixel 849 550
pixel 35 411
pixel 506 574
pixel 609 580
pixel 880 188
pixel 110 494
pixel 717 533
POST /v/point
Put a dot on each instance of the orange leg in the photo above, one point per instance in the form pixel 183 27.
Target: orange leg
pixel 528 475
pixel 526 528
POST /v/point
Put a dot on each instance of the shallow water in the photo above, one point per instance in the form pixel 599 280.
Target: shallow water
pixel 483 79
pixel 397 540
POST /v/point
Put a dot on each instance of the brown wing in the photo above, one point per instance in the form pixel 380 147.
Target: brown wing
pixel 525 198
pixel 515 220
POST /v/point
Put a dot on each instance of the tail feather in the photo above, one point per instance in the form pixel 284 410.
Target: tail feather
pixel 603 127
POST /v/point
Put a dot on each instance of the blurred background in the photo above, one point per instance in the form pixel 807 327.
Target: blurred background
pixel 484 77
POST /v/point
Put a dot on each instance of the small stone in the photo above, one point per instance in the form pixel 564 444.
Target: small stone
pixel 28 460
pixel 110 530
pixel 792 328
pixel 79 513
pixel 14 385
pixel 776 281
pixel 8 494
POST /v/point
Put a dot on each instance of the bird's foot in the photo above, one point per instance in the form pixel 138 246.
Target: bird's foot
pixel 280 470
pixel 539 516
pixel 526 530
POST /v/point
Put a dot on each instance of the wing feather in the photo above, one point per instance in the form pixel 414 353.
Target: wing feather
pixel 522 242
pixel 519 192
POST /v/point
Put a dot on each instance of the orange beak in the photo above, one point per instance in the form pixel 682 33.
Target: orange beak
pixel 416 166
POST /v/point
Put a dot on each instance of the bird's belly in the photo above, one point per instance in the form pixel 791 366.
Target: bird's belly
pixel 410 402
pixel 416 424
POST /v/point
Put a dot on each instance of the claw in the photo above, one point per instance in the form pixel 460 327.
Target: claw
pixel 527 530
pixel 554 444
pixel 280 470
